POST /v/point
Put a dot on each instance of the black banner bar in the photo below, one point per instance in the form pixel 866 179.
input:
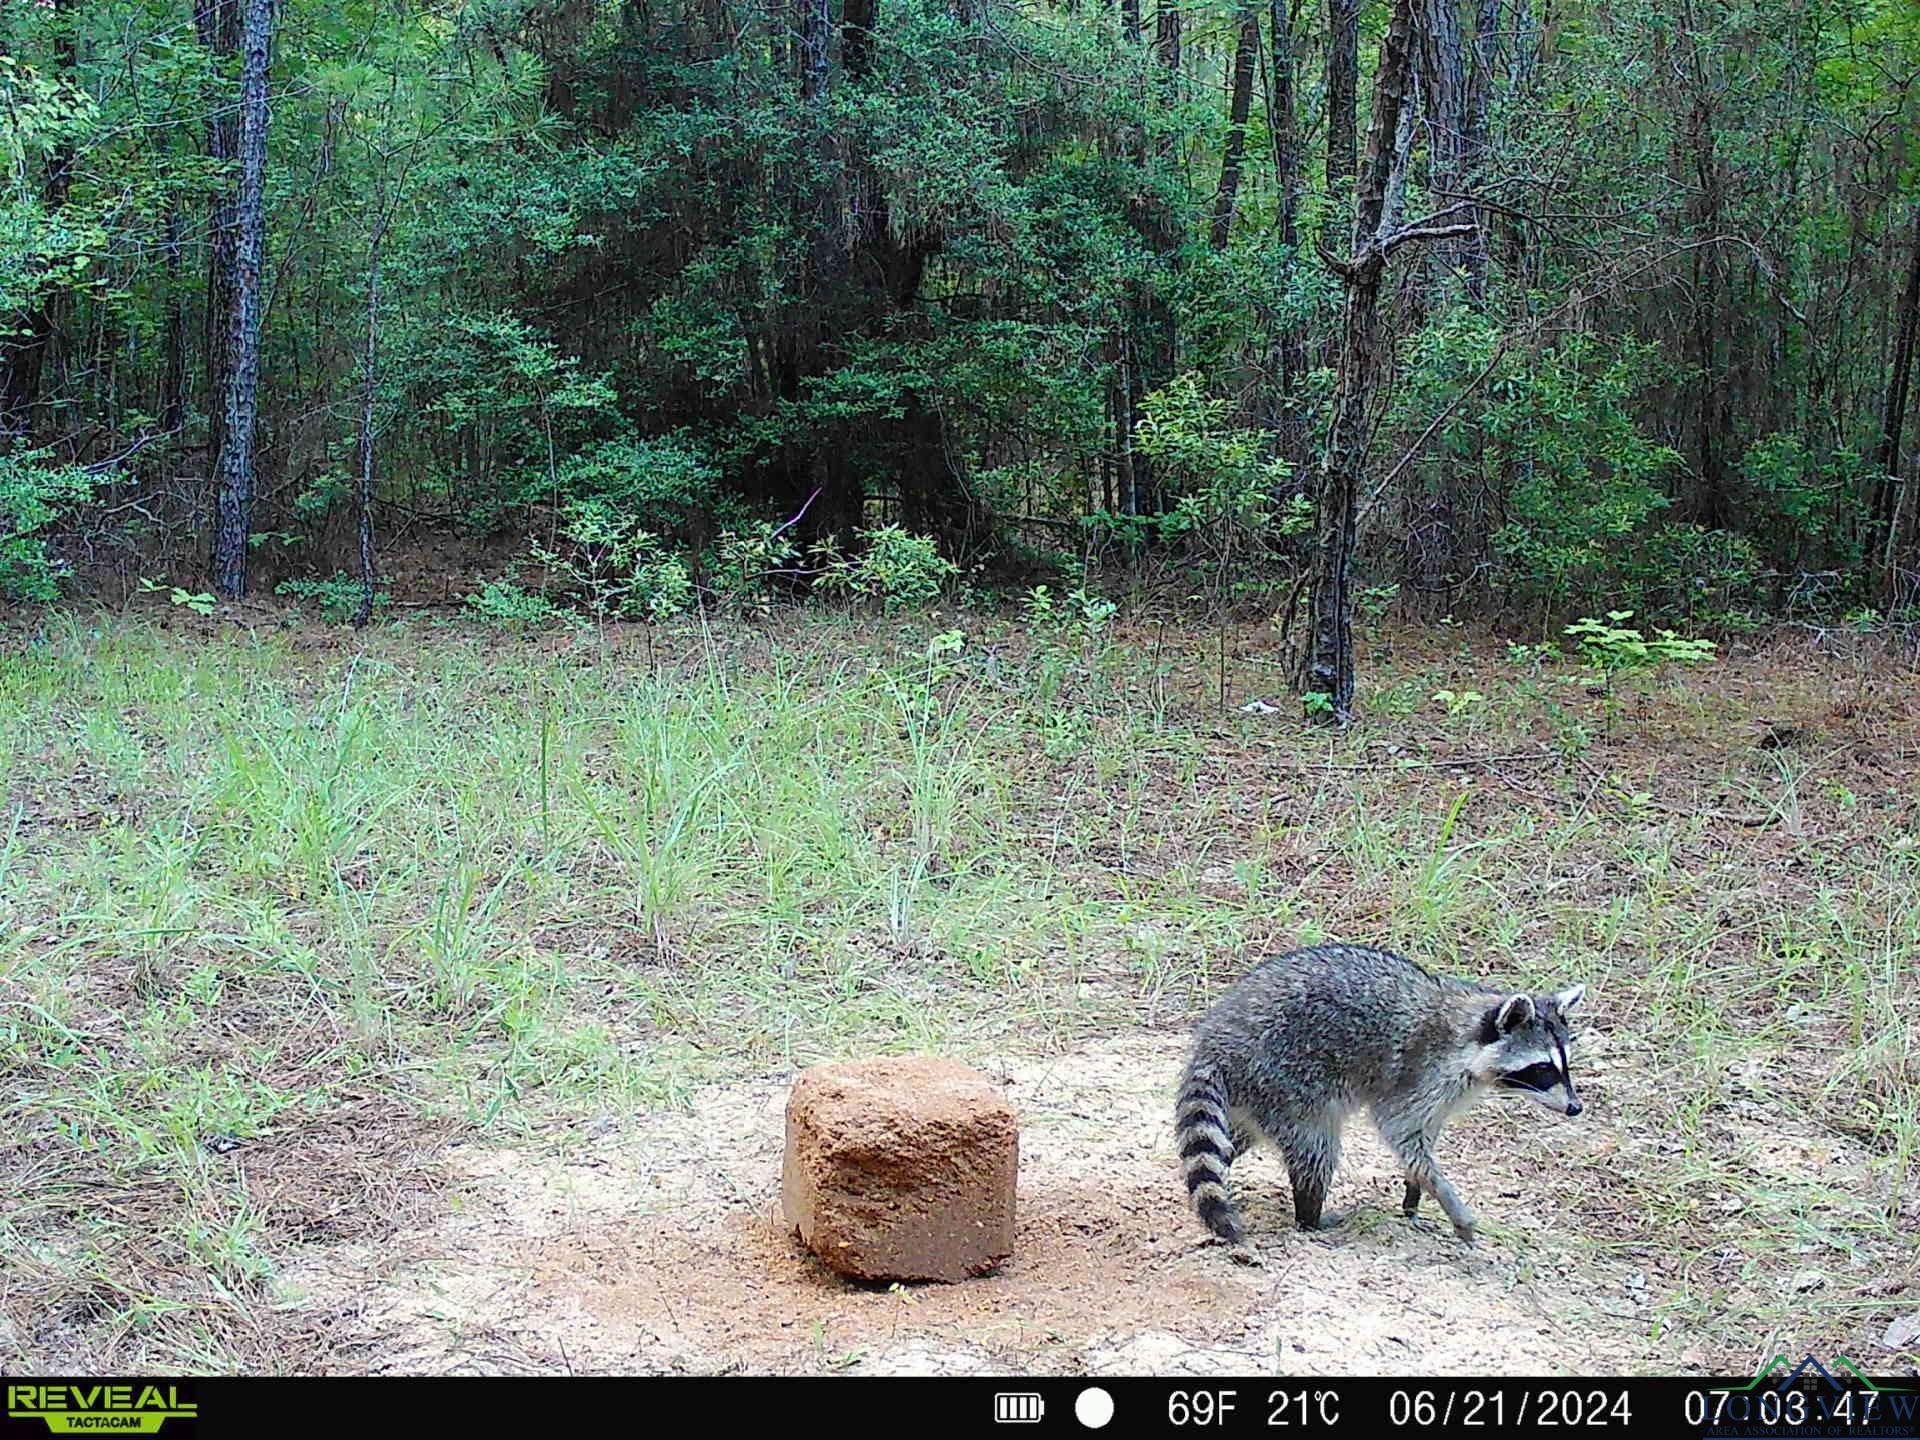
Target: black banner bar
pixel 1812 1400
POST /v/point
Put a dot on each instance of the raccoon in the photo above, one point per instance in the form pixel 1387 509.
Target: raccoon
pixel 1309 1036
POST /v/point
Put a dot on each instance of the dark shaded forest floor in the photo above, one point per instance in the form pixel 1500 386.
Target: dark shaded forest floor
pixel 425 1000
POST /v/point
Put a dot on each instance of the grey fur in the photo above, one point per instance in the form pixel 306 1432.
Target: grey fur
pixel 1308 1037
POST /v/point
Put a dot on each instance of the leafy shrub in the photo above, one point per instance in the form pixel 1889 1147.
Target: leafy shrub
pixel 618 567
pixel 1585 480
pixel 668 480
pixel 506 604
pixel 201 602
pixel 338 597
pixel 897 567
pixel 1213 465
pixel 33 492
pixel 494 373
pixel 1693 571
pixel 42 250
pixel 1223 491
pixel 746 562
pixel 1080 611
pixel 1612 647
pixel 321 495
pixel 1129 533
pixel 1812 509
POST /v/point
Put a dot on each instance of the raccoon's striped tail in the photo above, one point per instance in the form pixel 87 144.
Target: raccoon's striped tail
pixel 1205 1136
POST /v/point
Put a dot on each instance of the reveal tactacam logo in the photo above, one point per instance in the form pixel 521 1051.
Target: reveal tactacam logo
pixel 99 1409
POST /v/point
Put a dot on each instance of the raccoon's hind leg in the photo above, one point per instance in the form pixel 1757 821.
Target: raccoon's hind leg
pixel 1312 1158
pixel 1311 1149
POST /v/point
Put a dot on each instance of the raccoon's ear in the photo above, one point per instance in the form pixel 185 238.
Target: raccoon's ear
pixel 1514 1011
pixel 1568 998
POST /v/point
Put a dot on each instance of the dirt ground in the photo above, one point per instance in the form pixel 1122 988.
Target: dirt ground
pixel 661 1251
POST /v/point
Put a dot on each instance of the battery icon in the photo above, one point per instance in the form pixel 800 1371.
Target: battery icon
pixel 1016 1407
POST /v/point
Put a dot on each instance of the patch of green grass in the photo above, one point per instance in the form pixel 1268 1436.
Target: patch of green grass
pixel 281 913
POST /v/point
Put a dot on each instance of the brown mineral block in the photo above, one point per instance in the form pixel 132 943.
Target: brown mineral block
pixel 901 1168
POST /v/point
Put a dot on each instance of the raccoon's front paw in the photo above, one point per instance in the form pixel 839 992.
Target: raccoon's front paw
pixel 1241 1255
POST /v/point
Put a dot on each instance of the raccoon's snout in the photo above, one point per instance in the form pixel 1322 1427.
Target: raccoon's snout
pixel 1574 1107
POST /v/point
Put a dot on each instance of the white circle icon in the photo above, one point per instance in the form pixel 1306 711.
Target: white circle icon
pixel 1093 1407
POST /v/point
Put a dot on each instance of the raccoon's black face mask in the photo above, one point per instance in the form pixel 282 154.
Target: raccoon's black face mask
pixel 1529 1038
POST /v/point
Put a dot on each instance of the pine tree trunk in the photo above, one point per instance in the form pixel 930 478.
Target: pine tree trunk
pixel 236 469
pixel 369 394
pixel 1890 509
pixel 1443 91
pixel 1473 146
pixel 1289 357
pixel 1326 666
pixel 1443 542
pixel 173 385
pixel 1239 105
pixel 217 24
pixel 1696 106
pixel 32 339
pixel 1166 40
pixel 816 29
pixel 1156 327
pixel 1343 81
pixel 1283 123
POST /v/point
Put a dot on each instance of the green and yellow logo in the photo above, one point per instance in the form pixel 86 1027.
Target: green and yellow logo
pixel 94 1409
pixel 1806 1372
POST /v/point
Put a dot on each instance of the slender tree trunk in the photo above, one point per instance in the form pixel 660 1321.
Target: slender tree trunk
pixel 1474 139
pixel 26 356
pixel 1156 344
pixel 1147 344
pixel 1166 43
pixel 1889 507
pixel 1239 105
pixel 1123 402
pixel 217 24
pixel 173 387
pixel 1443 542
pixel 816 473
pixel 816 28
pixel 1893 410
pixel 856 38
pixel 1283 123
pixel 1326 664
pixel 1710 420
pixel 1126 392
pixel 236 471
pixel 867 252
pixel 1343 81
pixel 1519 60
pixel 369 394
pixel 1443 91
pixel 1289 351
pixel 816 38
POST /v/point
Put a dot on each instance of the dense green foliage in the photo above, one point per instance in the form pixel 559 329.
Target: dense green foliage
pixel 656 280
